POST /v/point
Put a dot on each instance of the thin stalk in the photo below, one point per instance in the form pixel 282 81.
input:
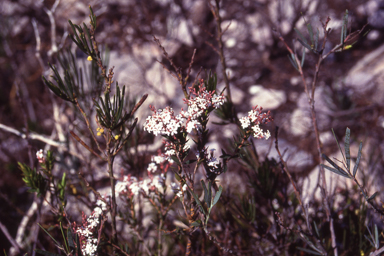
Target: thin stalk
pixel 113 196
pixel 159 242
pixel 215 12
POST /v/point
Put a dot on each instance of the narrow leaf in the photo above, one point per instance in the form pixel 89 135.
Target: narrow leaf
pixel 303 58
pixel 217 196
pixel 308 251
pixel 310 31
pixel 317 39
pixel 358 159
pixel 206 194
pixel 48 234
pixel 70 239
pixel 370 240
pixel 373 196
pixel 332 163
pixel 293 62
pixel 65 240
pixel 347 148
pixel 196 224
pixel 305 44
pixel 316 229
pixel 301 36
pixel 334 135
pixel 197 201
pixel 376 237
pixel 339 172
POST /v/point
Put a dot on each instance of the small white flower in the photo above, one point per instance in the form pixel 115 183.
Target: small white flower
pixel 245 122
pixel 152 167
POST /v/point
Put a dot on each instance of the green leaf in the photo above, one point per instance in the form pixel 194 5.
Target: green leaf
pixel 197 201
pixel 334 135
pixel 70 239
pixel 376 237
pixel 65 240
pixel 347 148
pixel 49 235
pixel 294 64
pixel 369 239
pixel 305 44
pixel 77 41
pixel 344 27
pixel 206 194
pixel 373 196
pixel 358 159
pixel 308 251
pixel 217 196
pixel 303 40
pixel 88 39
pixel 339 172
pixel 337 168
pixel 310 31
pixel 196 223
pixel 190 161
pixel 316 229
pixel 317 39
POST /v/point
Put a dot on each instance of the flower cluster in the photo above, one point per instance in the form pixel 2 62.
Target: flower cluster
pixel 100 131
pixel 40 156
pixel 202 101
pixel 176 189
pixel 212 162
pixel 132 186
pixel 253 120
pixel 89 242
pixel 165 122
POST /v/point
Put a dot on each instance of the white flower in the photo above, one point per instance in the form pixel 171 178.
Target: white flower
pixel 170 152
pixel 218 100
pixel 213 162
pixel 192 124
pixel 158 159
pixel 152 167
pixel 90 248
pixel 40 154
pixel 245 122
pixel 135 189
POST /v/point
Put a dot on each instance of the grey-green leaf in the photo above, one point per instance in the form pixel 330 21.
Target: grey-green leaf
pixel 217 196
pixel 197 201
pixel 308 251
pixel 358 159
pixel 337 168
pixel 373 196
pixel 339 172
pixel 347 147
pixel 303 58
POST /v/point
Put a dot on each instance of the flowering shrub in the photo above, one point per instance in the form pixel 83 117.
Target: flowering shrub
pixel 177 204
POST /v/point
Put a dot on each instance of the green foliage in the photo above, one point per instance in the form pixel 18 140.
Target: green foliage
pixel 109 113
pixel 65 90
pixel 34 180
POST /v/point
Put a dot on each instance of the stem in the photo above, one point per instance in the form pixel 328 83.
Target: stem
pixel 113 196
pixel 215 12
pixel 159 242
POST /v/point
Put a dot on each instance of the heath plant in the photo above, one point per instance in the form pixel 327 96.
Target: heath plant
pixel 170 201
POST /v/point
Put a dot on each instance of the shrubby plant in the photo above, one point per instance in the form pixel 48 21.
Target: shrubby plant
pixel 178 206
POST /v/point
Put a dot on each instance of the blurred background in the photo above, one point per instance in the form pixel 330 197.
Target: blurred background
pixel 350 88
